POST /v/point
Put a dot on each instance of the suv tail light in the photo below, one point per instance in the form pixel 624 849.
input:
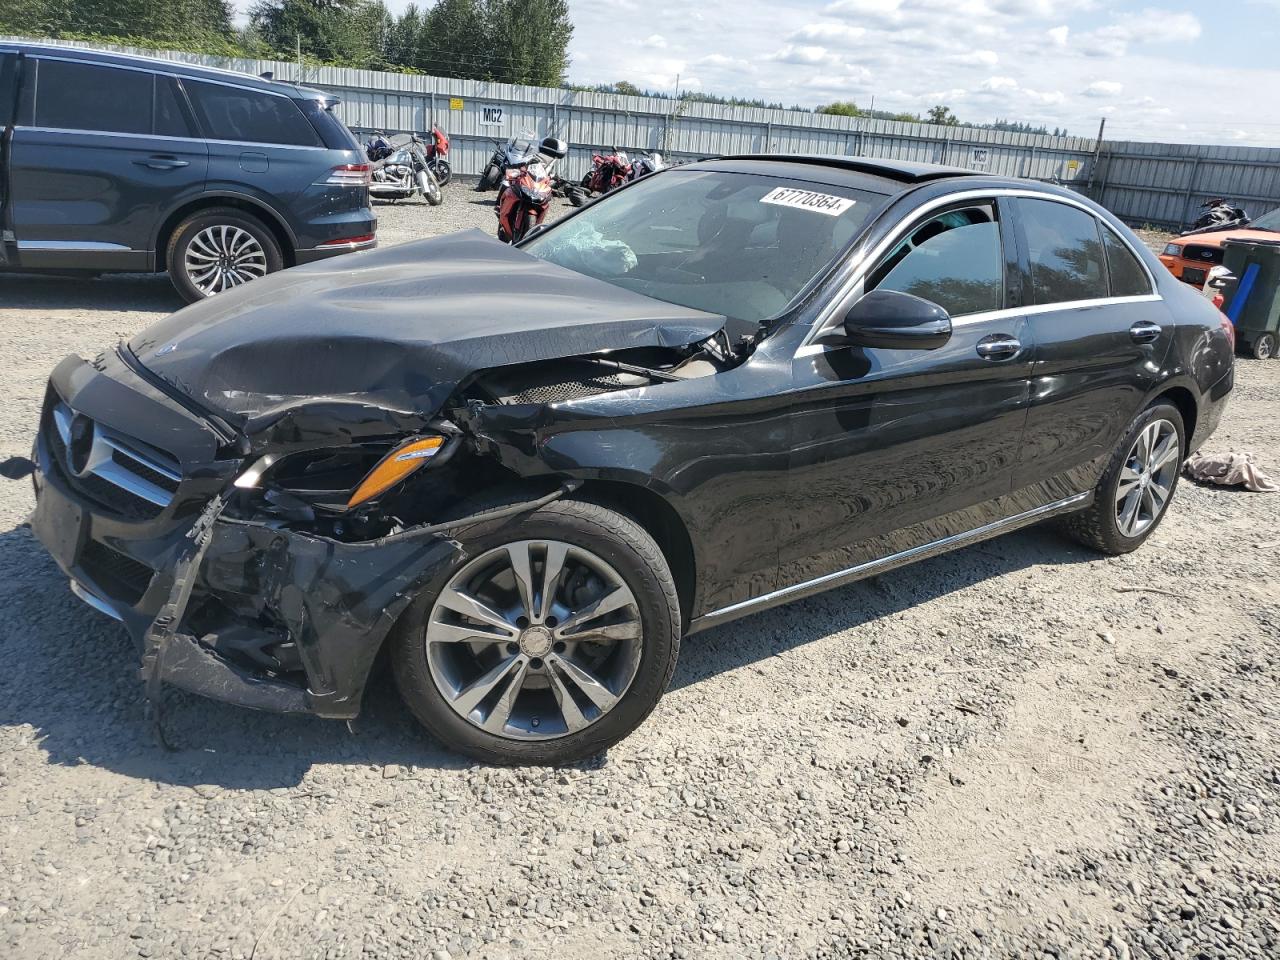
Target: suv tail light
pixel 349 175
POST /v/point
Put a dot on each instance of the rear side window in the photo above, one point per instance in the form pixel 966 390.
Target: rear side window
pixel 233 113
pixel 1067 260
pixel 89 96
pixel 953 260
pixel 8 87
pixel 171 121
pixel 1128 279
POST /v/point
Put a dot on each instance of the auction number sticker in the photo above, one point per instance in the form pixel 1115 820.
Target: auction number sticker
pixel 808 200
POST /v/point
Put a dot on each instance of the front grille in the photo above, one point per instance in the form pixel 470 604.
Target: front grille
pixel 125 476
pixel 121 577
pixel 1202 254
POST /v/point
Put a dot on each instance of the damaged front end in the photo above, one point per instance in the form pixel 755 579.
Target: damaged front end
pixel 260 546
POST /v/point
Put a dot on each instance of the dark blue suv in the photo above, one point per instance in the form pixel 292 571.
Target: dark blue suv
pixel 111 162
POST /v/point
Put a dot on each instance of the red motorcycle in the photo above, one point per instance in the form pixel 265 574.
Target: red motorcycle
pixel 524 195
pixel 436 151
pixel 608 171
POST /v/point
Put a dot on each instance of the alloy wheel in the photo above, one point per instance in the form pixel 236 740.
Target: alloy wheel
pixel 1147 478
pixel 534 640
pixel 223 256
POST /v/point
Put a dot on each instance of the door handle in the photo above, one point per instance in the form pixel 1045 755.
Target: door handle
pixel 1144 331
pixel 162 163
pixel 998 346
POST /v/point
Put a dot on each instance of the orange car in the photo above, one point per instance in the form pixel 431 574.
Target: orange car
pixel 1191 258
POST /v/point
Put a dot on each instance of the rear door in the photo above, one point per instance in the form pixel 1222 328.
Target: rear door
pixel 9 64
pixel 261 143
pixel 1101 334
pixel 894 449
pixel 108 149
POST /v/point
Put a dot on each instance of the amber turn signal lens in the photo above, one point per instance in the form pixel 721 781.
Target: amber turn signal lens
pixel 394 467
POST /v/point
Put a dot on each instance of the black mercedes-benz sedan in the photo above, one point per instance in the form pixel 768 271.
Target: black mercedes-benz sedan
pixel 527 473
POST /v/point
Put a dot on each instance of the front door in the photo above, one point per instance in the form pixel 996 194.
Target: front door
pixel 1101 335
pixel 9 64
pixel 893 449
pixel 107 150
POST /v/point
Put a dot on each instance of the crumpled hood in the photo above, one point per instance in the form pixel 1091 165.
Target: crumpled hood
pixel 399 327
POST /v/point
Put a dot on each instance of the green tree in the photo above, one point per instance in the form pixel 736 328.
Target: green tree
pixel 942 115
pixel 842 108
pixel 336 31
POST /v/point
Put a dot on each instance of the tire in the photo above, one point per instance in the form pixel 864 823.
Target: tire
pixel 1264 347
pixel 442 171
pixel 429 187
pixel 576 197
pixel 1102 526
pixel 650 619
pixel 489 179
pixel 220 230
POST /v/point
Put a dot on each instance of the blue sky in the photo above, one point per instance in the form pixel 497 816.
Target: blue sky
pixel 1207 72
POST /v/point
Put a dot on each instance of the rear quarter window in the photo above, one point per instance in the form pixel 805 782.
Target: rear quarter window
pixel 249 116
pixel 1128 278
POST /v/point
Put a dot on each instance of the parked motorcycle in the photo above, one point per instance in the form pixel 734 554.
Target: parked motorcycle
pixel 646 164
pixel 401 169
pixel 437 149
pixel 1219 215
pixel 608 172
pixel 524 193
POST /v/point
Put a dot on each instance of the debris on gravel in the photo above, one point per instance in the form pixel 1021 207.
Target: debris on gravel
pixel 1018 750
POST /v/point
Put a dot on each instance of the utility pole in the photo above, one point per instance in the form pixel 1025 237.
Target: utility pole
pixel 1097 154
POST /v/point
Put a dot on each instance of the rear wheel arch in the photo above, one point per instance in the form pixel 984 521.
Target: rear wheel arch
pixel 260 211
pixel 1185 401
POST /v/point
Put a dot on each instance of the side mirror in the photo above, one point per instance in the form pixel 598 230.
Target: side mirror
pixel 889 320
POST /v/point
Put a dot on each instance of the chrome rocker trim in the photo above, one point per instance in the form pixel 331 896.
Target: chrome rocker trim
pixel 872 567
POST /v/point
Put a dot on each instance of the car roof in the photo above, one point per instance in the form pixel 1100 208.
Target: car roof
pixel 176 67
pixel 873 174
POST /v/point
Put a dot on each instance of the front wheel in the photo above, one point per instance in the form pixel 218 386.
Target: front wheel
pixel 214 250
pixel 429 187
pixel 1134 492
pixel 552 639
pixel 1264 348
pixel 443 172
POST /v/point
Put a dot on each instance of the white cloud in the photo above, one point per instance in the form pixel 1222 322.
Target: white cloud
pixel 999 83
pixel 1103 88
pixel 1059 35
pixel 1148 26
pixel 981 58
pixel 828 33
pixel 809 56
pixel 655 41
pixel 720 60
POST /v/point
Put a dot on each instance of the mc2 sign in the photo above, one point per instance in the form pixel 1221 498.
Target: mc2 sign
pixel 490 115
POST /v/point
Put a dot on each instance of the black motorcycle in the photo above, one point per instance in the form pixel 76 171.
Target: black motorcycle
pixel 1219 215
pixel 401 169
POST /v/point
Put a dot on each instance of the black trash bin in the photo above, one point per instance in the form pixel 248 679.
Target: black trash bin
pixel 1253 299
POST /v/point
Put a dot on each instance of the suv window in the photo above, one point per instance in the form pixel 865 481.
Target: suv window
pixel 954 260
pixel 171 119
pixel 233 113
pixel 8 87
pixel 90 96
pixel 1128 279
pixel 1067 260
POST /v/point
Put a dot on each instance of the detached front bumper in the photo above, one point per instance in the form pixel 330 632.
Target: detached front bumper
pixel 277 620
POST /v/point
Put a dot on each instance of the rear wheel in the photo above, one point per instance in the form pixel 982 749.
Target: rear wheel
pixel 442 171
pixel 1264 348
pixel 1135 489
pixel 217 249
pixel 550 642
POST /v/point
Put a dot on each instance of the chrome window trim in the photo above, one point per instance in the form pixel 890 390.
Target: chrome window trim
pixel 146 65
pixel 869 567
pixel 864 262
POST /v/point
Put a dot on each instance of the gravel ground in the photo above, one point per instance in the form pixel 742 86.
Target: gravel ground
pixel 1018 750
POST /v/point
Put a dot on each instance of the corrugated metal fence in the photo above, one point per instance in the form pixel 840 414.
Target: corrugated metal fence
pixel 1143 183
